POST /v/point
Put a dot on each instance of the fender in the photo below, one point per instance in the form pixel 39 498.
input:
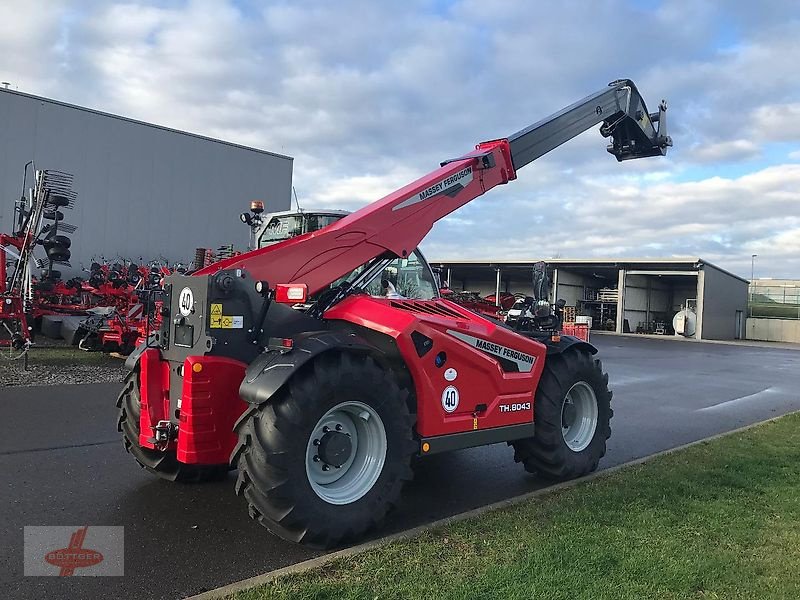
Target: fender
pixel 272 369
pixel 566 342
pixel 133 357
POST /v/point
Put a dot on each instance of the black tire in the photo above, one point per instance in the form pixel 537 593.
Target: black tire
pixel 58 240
pixel 58 253
pixel 547 453
pixel 57 200
pixel 163 464
pixel 273 438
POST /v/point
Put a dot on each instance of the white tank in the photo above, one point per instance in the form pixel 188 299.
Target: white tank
pixel 685 322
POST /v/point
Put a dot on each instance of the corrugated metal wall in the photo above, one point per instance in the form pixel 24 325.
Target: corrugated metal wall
pixel 723 295
pixel 142 190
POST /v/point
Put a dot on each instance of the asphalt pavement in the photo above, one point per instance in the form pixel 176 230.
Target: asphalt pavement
pixel 62 463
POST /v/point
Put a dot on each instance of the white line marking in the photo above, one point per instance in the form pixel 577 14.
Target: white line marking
pixel 757 396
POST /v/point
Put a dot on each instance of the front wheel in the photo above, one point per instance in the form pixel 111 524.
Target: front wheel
pixel 326 458
pixel 572 412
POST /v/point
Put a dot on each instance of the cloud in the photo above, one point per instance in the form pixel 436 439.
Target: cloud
pixel 368 96
pixel 778 122
pixel 720 219
pixel 732 150
pixel 31 41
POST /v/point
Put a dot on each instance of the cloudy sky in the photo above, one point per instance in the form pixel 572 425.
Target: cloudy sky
pixel 367 96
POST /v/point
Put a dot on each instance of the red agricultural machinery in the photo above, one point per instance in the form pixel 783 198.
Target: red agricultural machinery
pixel 114 308
pixel 44 201
pixel 323 408
pixel 123 301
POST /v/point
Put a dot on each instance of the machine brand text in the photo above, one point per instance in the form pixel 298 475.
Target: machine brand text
pixel 462 178
pixel 503 351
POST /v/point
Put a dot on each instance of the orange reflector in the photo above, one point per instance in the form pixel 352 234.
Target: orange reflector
pixel 556 338
pixel 197 367
pixel 426 446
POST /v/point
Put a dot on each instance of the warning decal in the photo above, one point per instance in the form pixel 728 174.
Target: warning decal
pixel 219 321
pixel 216 309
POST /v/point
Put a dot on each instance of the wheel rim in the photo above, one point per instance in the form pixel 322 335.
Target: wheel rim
pixel 346 452
pixel 579 416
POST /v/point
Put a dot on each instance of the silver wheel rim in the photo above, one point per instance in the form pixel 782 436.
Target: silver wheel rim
pixel 579 416
pixel 363 464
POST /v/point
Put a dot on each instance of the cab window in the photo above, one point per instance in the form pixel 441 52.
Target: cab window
pixel 279 229
pixel 408 278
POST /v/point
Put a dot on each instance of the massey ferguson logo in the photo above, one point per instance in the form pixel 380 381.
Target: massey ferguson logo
pixel 524 361
pixel 449 185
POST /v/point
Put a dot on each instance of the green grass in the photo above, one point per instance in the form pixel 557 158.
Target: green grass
pixel 720 520
pixel 67 355
pixel 774 311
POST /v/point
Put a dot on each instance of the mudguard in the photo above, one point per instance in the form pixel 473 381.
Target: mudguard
pixel 565 343
pixel 273 368
pixel 133 357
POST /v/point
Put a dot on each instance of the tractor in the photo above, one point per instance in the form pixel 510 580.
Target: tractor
pixel 322 411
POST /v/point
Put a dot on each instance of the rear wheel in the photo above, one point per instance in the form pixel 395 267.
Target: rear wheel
pixel 163 464
pixel 573 419
pixel 327 457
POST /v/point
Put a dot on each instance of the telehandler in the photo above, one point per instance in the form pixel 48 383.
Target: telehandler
pixel 322 410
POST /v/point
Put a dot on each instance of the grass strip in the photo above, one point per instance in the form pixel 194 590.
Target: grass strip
pixel 720 520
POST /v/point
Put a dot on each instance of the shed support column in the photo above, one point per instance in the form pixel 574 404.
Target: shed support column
pixel 449 280
pixel 701 288
pixel 497 288
pixel 620 300
pixel 555 286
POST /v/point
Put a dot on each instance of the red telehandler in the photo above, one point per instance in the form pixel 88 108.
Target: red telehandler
pixel 322 410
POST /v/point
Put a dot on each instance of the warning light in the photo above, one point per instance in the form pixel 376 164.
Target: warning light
pixel 291 293
pixel 556 338
pixel 257 206
pixel 197 367
pixel 426 446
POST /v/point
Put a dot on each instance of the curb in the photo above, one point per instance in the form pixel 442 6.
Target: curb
pixel 769 345
pixel 313 563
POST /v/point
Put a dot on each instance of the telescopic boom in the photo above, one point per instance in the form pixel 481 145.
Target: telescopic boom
pixel 397 223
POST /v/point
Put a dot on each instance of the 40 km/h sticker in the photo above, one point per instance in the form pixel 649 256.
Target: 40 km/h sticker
pixel 186 301
pixel 450 399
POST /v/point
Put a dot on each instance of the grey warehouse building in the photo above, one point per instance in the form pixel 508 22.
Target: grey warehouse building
pixel 622 295
pixel 143 190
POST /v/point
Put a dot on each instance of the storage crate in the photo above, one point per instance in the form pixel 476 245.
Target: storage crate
pixel 579 330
